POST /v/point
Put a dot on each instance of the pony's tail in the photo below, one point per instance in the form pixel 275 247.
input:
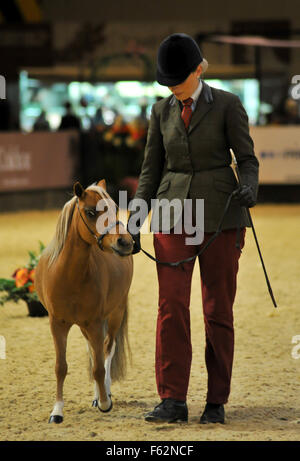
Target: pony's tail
pixel 119 360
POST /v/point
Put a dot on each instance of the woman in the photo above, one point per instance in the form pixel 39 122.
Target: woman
pixel 188 156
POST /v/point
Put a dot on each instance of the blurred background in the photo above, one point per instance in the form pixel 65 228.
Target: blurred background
pixel 79 83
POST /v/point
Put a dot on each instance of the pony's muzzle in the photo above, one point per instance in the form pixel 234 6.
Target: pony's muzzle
pixel 124 245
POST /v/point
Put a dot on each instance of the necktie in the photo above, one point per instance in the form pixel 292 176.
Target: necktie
pixel 187 112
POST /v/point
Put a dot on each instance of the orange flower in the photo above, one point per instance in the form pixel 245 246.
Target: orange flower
pixel 31 288
pixel 22 277
pixel 32 274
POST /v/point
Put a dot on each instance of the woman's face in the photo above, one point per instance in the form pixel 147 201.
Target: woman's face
pixel 185 89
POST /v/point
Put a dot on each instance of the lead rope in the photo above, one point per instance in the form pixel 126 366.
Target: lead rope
pixel 213 237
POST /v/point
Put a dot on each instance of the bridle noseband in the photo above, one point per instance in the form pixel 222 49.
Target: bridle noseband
pixel 100 237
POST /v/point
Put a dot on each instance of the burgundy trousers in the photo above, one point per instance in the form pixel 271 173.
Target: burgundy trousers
pixel 218 271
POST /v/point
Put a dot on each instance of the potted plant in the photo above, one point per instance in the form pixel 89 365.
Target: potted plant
pixel 21 286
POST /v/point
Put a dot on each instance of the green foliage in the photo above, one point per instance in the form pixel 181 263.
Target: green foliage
pixel 34 257
pixel 14 293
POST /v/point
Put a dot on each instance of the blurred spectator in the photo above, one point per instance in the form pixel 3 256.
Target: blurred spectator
pixel 87 122
pixel 98 122
pixel 143 115
pixel 4 115
pixel 137 131
pixel 41 123
pixel 69 120
pixel 118 133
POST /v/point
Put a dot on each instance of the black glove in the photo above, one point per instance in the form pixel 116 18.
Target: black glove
pixel 137 243
pixel 245 196
pixel 136 238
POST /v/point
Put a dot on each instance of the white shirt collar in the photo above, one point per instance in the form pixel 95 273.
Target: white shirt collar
pixel 197 92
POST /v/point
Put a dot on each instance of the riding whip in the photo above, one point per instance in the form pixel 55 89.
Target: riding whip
pixel 236 172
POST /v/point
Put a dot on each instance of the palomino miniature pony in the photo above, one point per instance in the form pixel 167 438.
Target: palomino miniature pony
pixel 83 278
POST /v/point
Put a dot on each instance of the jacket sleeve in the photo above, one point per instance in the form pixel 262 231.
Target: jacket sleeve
pixel 240 141
pixel 153 163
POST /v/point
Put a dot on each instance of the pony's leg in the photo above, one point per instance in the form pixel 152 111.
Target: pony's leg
pixel 96 395
pixel 107 380
pixel 107 366
pixel 60 333
pixel 114 323
pixel 91 362
pixel 95 338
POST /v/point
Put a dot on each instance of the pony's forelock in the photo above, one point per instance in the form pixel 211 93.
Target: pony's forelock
pixel 102 192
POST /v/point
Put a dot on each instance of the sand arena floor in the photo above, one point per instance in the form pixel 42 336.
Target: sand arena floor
pixel 265 397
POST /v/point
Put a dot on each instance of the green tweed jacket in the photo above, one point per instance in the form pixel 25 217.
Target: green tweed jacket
pixel 196 163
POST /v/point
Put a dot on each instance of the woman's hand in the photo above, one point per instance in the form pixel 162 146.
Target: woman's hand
pixel 245 196
pixel 135 235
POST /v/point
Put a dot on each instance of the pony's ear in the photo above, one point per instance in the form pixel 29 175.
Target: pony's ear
pixel 102 183
pixel 78 189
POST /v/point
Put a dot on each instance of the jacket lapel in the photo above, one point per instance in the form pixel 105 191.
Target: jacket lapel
pixel 204 105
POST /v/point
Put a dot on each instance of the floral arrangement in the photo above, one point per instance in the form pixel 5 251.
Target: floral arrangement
pixel 21 285
pixel 131 134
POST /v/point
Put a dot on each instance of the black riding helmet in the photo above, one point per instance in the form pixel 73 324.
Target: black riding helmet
pixel 178 56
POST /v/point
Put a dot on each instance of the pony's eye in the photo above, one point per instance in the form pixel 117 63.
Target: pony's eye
pixel 90 213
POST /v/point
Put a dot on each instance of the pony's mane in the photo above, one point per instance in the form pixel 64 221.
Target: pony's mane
pixel 56 245
pixel 54 248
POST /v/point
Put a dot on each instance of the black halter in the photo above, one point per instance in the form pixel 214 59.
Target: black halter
pixel 100 237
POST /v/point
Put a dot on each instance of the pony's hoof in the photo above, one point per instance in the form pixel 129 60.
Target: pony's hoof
pixel 108 409
pixel 95 403
pixel 57 419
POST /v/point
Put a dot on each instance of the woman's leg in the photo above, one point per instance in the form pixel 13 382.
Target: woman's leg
pixel 219 268
pixel 173 341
